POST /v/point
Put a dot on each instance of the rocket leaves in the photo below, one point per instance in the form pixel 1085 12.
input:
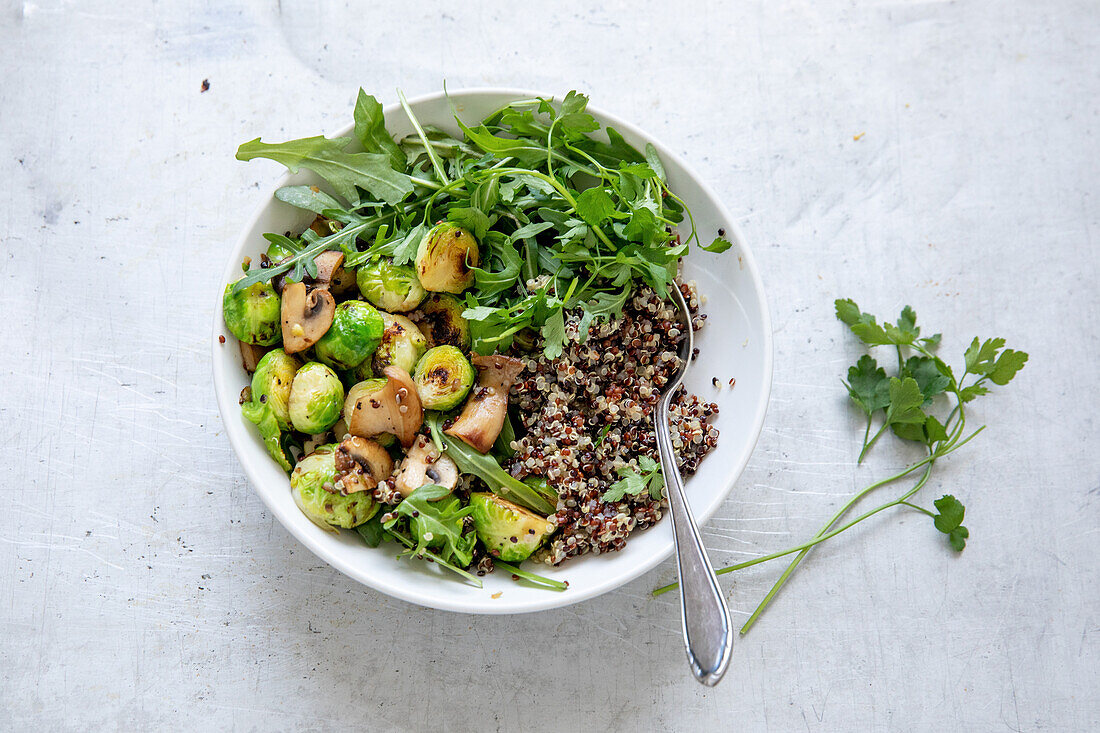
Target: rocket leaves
pixel 345 172
pixel 547 192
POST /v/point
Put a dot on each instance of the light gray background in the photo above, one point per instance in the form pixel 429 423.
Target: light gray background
pixel 142 583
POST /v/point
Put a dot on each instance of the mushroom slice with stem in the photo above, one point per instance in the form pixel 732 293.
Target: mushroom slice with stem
pixel 306 316
pixel 388 405
pixel 424 465
pixel 483 416
pixel 360 465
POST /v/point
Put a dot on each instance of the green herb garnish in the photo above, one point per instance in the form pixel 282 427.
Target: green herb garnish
pixel 534 181
pixel 633 481
pixel 430 523
pixel 904 402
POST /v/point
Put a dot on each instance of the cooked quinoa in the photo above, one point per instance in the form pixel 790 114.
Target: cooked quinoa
pixel 589 412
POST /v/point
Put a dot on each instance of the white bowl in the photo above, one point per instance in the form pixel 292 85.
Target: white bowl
pixel 736 343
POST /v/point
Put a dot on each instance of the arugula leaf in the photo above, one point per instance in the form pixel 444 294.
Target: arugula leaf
pixel 493 282
pixel 654 161
pixel 435 519
pixel 371 531
pixel 309 198
pixel 344 171
pixel 488 470
pixel 471 218
pixel 530 230
pixel 370 130
pixel 948 519
pixel 527 152
pixel 538 580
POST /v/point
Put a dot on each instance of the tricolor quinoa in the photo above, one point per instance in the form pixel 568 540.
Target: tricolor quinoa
pixel 590 412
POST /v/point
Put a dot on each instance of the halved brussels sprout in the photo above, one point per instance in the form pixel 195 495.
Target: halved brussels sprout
pixel 402 345
pixel 252 314
pixel 390 287
pixel 316 399
pixel 277 251
pixel 507 530
pixel 444 258
pixel 443 378
pixel 272 382
pixel 440 320
pixel 353 336
pixel 313 486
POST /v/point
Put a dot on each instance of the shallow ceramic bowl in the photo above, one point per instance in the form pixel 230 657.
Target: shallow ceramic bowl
pixel 736 343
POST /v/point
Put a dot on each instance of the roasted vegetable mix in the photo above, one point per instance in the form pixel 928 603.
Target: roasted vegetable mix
pixel 386 337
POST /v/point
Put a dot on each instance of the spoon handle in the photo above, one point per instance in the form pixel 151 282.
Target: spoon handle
pixel 708 630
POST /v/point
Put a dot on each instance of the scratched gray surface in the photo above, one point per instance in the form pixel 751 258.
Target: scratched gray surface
pixel 143 585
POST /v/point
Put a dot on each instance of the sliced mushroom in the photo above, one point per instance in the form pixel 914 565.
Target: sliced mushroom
pixel 251 355
pixel 485 410
pixel 328 264
pixel 306 316
pixel 360 465
pixel 371 410
pixel 330 274
pixel 323 227
pixel 424 465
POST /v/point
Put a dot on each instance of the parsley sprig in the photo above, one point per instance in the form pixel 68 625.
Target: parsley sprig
pixel 905 402
pixel 646 477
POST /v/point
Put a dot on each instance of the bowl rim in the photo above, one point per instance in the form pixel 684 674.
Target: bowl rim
pixel 227 405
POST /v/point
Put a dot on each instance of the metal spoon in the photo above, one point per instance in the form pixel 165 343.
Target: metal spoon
pixel 708 630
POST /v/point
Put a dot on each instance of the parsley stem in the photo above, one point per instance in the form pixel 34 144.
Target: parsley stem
pixel 918 508
pixel 821 536
pixel 817 540
pixel 867 445
pixel 825 530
